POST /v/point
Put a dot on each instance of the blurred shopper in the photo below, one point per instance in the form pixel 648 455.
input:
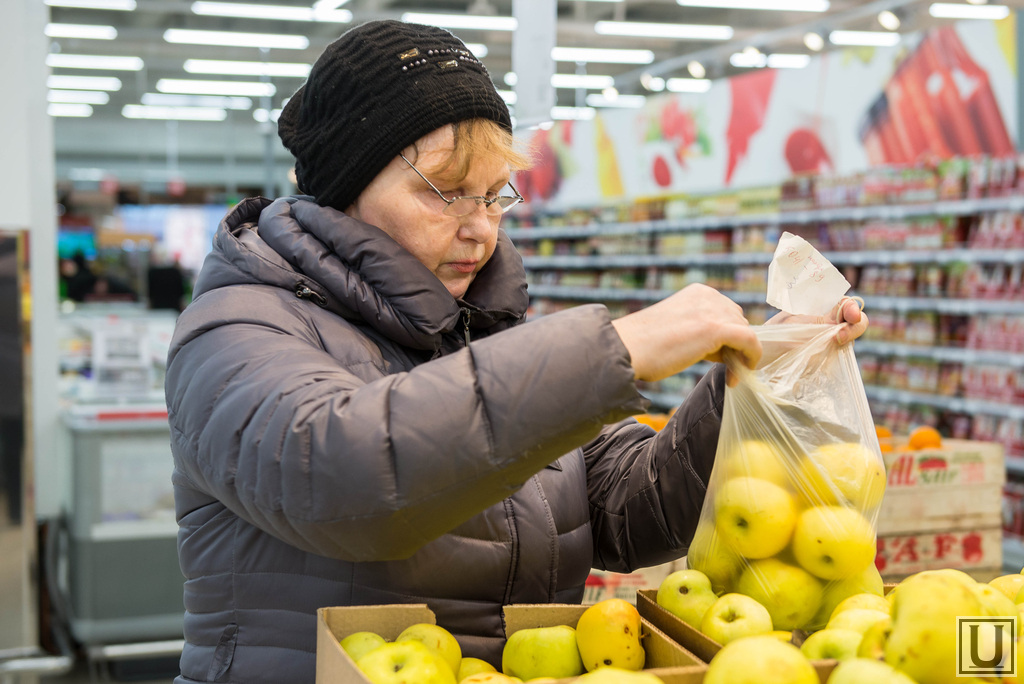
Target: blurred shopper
pixel 166 283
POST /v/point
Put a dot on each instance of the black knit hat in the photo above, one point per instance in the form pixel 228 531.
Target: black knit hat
pixel 374 91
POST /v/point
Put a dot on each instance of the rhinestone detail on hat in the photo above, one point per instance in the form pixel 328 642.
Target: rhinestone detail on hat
pixel 451 58
pixel 409 54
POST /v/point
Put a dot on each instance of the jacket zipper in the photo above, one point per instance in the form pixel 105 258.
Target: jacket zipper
pixel 303 292
pixel 465 323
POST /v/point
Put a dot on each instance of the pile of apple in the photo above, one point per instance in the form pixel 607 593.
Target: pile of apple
pixel 906 636
pixel 602 648
pixel 794 531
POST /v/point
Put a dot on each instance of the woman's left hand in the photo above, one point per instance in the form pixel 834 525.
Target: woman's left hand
pixel 847 312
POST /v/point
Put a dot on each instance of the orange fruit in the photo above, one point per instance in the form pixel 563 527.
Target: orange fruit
pixel 882 432
pixel 885 448
pixel 925 437
pixel 655 420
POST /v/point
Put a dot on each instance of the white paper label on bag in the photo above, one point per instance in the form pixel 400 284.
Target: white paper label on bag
pixel 801 280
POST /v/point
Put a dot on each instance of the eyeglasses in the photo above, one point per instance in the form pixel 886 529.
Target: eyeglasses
pixel 463 206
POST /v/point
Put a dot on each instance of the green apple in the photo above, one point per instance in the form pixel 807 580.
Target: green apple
pixel 755 458
pixel 868 581
pixel 608 635
pixel 782 635
pixel 760 660
pixel 734 616
pixel 993 601
pixel 436 638
pixel 687 594
pixel 709 554
pixel 754 517
pixel 616 675
pixel 867 671
pixel 405 662
pixel 863 600
pixel 791 594
pixel 471 666
pixel 837 644
pixel 833 542
pixel 359 644
pixel 922 642
pixel 542 652
pixel 857 619
pixel 844 473
pixel 872 644
pixel 1009 585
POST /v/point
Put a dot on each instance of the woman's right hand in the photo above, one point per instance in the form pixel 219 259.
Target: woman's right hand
pixel 695 324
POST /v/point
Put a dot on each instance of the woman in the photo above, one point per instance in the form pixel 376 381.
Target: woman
pixel 360 414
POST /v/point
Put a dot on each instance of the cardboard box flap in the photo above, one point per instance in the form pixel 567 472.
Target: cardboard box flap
pixel 532 615
pixel 388 620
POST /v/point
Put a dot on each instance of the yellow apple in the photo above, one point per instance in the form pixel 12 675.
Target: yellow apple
pixel 608 635
pixel 403 662
pixel 616 675
pixel 760 660
pixel 734 616
pixel 857 619
pixel 359 644
pixel 781 635
pixel 871 601
pixel 867 671
pixel 844 473
pixel 542 652
pixel 836 644
pixel 993 601
pixel 867 581
pixel 709 554
pixel 872 644
pixel 1009 585
pixel 833 542
pixel 687 594
pixel 755 458
pixel 471 666
pixel 436 638
pixel 791 594
pixel 754 517
pixel 491 678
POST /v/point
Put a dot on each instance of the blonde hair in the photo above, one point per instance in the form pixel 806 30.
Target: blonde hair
pixel 479 138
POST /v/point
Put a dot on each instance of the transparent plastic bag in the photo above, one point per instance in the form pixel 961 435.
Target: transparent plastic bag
pixel 791 510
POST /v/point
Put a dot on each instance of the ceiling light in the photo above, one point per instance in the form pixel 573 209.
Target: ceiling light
pixel 277 12
pixel 696 69
pixel 83 83
pixel 120 5
pixel 61 61
pixel 782 60
pixel 592 81
pixel 263 116
pixel 133 111
pixel 778 5
pixel 509 96
pixel 87 174
pixel 66 109
pixel 655 84
pixel 864 38
pixel 624 101
pixel 649 30
pixel 573 113
pixel 174 100
pixel 479 50
pixel 221 66
pixel 462 21
pixel 748 59
pixel 688 85
pixel 511 79
pixel 608 56
pixel 86 31
pixel 327 5
pixel 235 39
pixel 978 2
pixel 951 10
pixel 243 88
pixel 93 97
pixel 889 20
pixel 814 41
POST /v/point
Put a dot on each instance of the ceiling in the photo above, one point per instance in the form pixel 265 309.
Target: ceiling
pixel 239 152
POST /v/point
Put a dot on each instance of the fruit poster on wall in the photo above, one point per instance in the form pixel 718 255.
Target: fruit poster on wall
pixel 948 92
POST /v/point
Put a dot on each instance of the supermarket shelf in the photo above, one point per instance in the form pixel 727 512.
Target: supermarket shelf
pixel 871 257
pixel 1015 465
pixel 951 354
pixel 957 404
pixel 1013 554
pixel 614 294
pixel 698 223
pixel 962 307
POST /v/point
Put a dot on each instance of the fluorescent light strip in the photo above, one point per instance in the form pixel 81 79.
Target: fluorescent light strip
pixel 263 116
pixel 274 12
pixel 87 174
pixel 479 50
pixel 748 60
pixel 573 113
pixel 173 113
pixel 104 62
pixel 242 88
pixel 509 96
pixel 864 38
pixel 83 83
pixel 624 101
pixel 235 39
pixel 218 101
pixel 688 85
pixel 119 5
pixel 649 30
pixel 582 81
pixel 78 110
pixel 782 60
pixel 607 56
pixel 952 10
pixel 93 97
pixel 777 5
pixel 462 21
pixel 220 66
pixel 85 31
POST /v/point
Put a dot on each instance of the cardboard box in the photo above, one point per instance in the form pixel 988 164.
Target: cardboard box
pixel 973 549
pixel 958 463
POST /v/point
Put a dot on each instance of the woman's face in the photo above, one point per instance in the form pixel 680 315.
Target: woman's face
pixel 401 204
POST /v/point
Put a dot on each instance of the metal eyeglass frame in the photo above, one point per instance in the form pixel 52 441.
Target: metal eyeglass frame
pixel 477 199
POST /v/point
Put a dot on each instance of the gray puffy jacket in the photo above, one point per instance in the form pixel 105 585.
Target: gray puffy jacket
pixel 337 442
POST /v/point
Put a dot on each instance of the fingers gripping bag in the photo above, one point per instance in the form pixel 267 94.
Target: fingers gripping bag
pixel 791 510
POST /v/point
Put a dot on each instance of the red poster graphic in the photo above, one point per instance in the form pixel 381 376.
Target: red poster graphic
pixel 750 96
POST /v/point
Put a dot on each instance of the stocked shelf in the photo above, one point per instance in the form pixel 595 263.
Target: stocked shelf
pixel 949 354
pixel 957 404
